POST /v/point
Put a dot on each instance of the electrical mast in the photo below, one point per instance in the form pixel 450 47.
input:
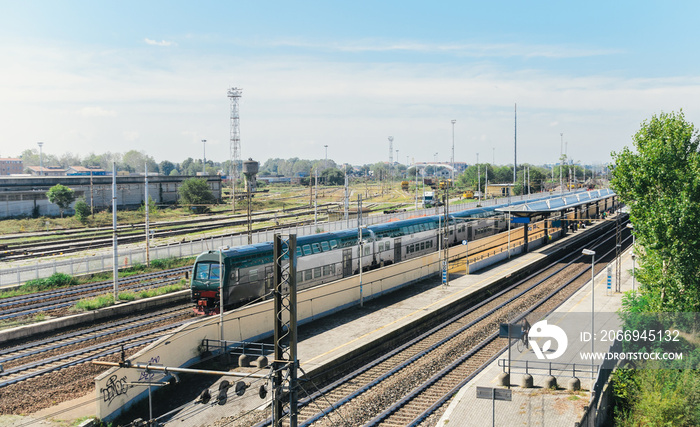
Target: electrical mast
pixel 391 158
pixel 235 144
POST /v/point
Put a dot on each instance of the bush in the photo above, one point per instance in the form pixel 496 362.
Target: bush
pixel 82 210
pixel 56 280
pixel 196 191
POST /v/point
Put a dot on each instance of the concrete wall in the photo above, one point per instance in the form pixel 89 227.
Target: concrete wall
pixel 249 324
pixel 21 195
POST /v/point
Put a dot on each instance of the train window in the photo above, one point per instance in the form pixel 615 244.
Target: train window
pixel 326 270
pixel 253 275
pixel 316 248
pixel 325 247
pixel 334 244
pixel 387 246
pixel 307 275
pixel 332 268
pixel 422 245
pixel 367 248
pixel 214 272
pixel 307 249
pixel 300 276
pixel 317 272
pixel 202 271
pixel 299 254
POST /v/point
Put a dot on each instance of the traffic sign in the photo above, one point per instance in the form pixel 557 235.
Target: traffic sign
pixel 494 393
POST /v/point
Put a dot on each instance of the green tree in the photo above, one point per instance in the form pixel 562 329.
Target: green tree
pixel 196 191
pixel 61 196
pixel 165 167
pixel 332 176
pixel 82 210
pixel 660 183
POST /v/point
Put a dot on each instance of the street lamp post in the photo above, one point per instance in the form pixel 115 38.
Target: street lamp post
pixel 634 271
pixel 204 157
pixel 325 162
pixel 221 292
pixel 41 158
pixel 592 254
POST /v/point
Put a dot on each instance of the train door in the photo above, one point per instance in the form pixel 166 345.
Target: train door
pixel 397 249
pixel 347 262
pixel 268 279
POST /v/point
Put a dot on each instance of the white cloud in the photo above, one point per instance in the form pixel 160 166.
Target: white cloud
pixel 478 50
pixel 130 135
pixel 96 112
pixel 293 105
pixel 158 43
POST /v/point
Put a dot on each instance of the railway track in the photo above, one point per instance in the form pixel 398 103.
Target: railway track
pixel 60 299
pixel 408 384
pixel 80 240
pixel 30 360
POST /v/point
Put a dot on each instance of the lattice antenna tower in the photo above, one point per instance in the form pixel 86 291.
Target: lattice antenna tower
pixel 235 144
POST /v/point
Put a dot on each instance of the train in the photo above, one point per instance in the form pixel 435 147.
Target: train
pixel 325 257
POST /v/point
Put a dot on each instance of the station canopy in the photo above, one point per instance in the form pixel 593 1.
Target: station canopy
pixel 556 204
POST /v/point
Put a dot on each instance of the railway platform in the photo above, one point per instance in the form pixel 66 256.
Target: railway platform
pixel 338 337
pixel 540 405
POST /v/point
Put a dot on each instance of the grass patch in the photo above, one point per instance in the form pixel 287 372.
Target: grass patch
pixel 55 281
pixel 127 296
pixel 149 293
pixel 107 300
pixel 95 303
pixel 156 265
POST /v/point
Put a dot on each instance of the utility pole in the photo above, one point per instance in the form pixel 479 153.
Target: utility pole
pixel 446 238
pixel 561 163
pixel 285 364
pixel 41 158
pixel 115 267
pixel 515 148
pixel 316 199
pixel 204 157
pixel 453 149
pixel 146 205
pixel 478 171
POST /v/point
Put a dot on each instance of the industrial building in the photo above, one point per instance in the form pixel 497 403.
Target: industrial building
pixel 10 166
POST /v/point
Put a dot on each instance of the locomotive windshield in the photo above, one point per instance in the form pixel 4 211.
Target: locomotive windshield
pixel 207 271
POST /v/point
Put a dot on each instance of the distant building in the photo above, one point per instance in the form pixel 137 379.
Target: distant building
pixel 46 171
pixel 499 190
pixel 85 171
pixel 10 166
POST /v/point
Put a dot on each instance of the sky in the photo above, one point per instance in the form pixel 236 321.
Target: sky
pixel 98 76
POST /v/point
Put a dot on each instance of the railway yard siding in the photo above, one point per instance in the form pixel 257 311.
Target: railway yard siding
pixel 92 316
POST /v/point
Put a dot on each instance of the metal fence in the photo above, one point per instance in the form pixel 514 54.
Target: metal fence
pixel 128 257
